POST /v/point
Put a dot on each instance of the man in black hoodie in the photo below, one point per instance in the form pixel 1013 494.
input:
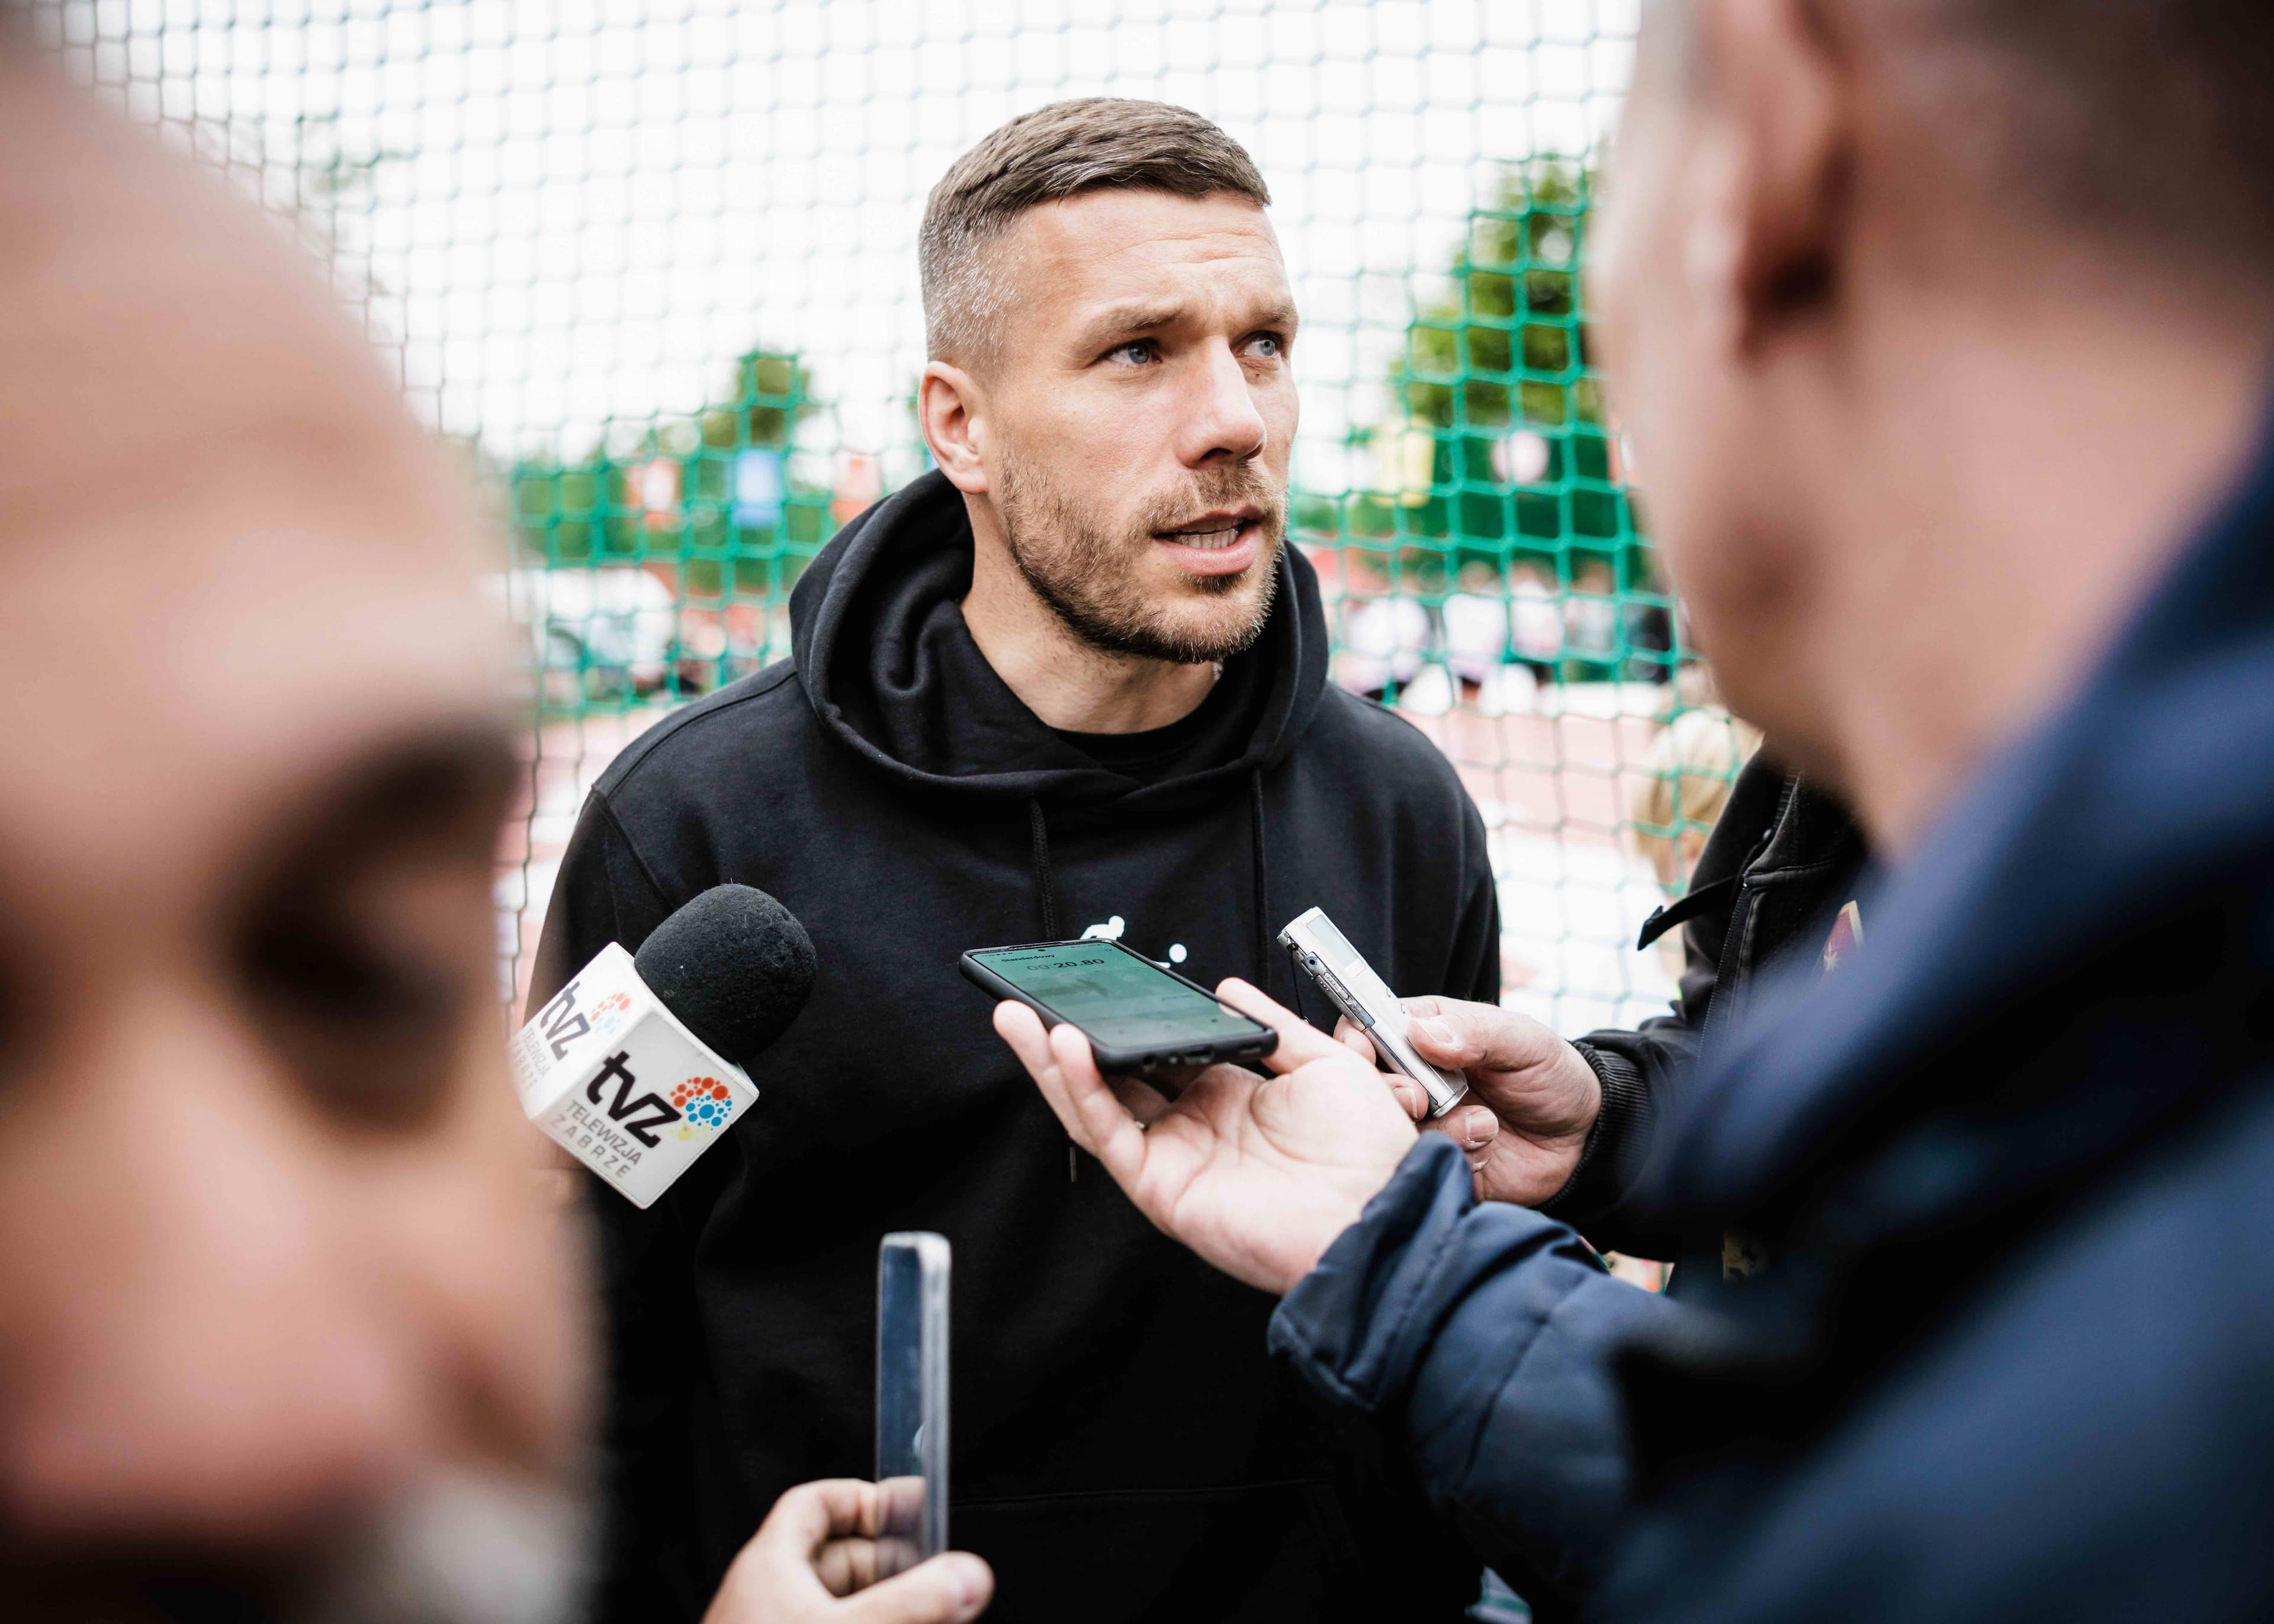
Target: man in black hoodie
pixel 1072 683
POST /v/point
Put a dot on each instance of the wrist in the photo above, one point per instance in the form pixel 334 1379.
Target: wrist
pixel 1619 1129
pixel 1324 1219
pixel 1346 1325
pixel 1584 1086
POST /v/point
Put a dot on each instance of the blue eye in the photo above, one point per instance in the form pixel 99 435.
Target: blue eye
pixel 1138 351
pixel 1266 345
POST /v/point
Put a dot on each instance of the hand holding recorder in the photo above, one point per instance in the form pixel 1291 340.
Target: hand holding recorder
pixel 1531 1097
pixel 1257 1174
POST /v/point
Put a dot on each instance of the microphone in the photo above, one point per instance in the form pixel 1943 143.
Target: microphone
pixel 637 1064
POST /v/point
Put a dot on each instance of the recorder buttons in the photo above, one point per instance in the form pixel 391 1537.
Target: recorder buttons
pixel 1341 995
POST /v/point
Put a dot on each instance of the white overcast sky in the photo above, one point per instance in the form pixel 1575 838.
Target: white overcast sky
pixel 582 210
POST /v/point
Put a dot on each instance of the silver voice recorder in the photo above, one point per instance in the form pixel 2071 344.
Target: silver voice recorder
pixel 1344 976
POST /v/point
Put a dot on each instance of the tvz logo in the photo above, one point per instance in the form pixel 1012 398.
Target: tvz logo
pixel 639 1117
pixel 563 1025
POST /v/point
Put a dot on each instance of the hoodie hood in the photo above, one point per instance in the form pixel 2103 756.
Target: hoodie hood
pixel 891 669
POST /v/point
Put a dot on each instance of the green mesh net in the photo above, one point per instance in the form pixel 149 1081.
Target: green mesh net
pixel 652 267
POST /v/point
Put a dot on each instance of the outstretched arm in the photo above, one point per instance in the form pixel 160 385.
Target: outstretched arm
pixel 1476 1343
pixel 1257 1174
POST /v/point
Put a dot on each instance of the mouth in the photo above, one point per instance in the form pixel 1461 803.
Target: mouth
pixel 1222 543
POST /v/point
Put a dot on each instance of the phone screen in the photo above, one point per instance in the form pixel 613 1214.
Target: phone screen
pixel 1119 999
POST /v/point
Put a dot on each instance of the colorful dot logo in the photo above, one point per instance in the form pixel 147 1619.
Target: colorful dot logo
pixel 704 1105
pixel 608 1013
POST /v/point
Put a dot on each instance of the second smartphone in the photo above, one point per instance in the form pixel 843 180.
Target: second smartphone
pixel 912 1397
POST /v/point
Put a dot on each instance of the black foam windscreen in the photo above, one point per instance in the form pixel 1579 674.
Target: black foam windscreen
pixel 733 965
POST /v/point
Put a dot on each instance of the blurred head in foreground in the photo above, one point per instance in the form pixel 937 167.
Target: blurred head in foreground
pixel 274 1297
pixel 1935 324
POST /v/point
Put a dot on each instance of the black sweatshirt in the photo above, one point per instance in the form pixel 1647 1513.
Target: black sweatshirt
pixel 1124 1447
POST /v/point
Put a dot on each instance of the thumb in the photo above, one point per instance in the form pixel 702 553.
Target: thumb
pixel 950 1589
pixel 1477 1036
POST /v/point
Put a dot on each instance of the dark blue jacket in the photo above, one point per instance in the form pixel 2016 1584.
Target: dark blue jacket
pixel 2012 1356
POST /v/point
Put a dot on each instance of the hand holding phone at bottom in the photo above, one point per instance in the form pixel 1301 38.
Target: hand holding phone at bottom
pixel 813 1560
pixel 1257 1174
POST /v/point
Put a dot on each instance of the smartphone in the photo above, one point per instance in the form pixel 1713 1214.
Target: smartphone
pixel 1343 974
pixel 1140 1018
pixel 912 1398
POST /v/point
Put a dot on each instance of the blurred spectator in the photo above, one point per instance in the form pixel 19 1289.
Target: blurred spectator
pixel 1690 769
pixel 1385 634
pixel 1648 630
pixel 1695 688
pixel 1477 626
pixel 1591 623
pixel 1691 765
pixel 859 482
pixel 1478 623
pixel 1535 619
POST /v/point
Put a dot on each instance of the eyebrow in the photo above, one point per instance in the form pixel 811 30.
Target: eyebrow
pixel 1133 316
pixel 406 788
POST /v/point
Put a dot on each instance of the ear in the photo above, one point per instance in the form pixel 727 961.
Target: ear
pixel 1779 70
pixel 948 406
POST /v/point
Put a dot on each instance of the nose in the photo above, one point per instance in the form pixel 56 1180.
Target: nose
pixel 1222 422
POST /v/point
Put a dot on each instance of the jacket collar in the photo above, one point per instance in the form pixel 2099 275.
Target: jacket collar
pixel 2143 803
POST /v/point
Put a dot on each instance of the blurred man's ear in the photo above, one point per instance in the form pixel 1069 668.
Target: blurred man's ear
pixel 1771 246
pixel 947 406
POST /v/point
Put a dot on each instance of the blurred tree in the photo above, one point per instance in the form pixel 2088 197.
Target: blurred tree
pixel 1498 449
pixel 714 505
pixel 717 493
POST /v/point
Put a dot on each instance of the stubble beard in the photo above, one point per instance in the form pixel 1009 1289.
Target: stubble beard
pixel 1089 575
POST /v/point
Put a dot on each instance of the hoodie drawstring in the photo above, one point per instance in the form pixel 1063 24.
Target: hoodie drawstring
pixel 1044 886
pixel 1038 828
pixel 1046 889
pixel 1262 885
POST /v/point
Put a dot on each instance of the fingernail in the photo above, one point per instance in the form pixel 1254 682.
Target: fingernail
pixel 1436 1031
pixel 967 1577
pixel 1482 1126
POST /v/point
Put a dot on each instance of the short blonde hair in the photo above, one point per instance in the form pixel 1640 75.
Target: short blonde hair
pixel 1685 788
pixel 1065 150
